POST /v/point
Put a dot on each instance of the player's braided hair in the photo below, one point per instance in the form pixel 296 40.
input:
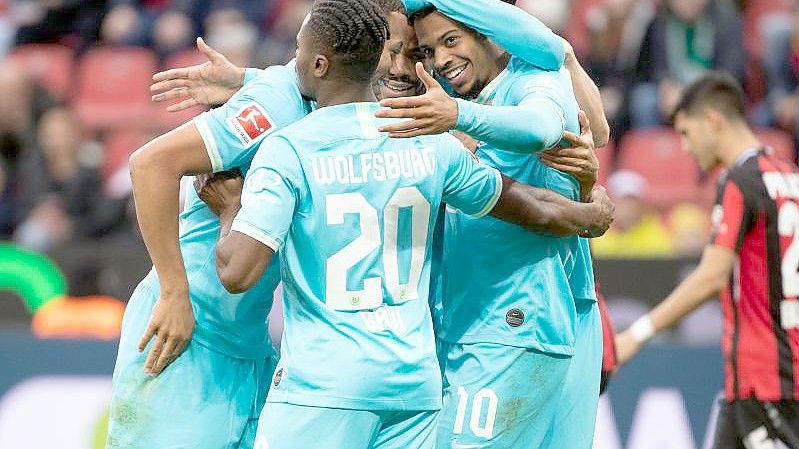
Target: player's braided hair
pixel 354 31
pixel 389 6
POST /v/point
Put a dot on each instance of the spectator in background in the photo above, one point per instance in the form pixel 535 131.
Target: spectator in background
pixel 690 229
pixel 58 20
pixel 685 39
pixel 616 29
pixel 554 13
pixel 61 196
pixel 636 232
pixel 21 103
pixel 280 44
pixel 237 42
pixel 7 209
pixel 781 63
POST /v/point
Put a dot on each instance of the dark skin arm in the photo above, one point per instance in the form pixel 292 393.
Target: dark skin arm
pixel 543 210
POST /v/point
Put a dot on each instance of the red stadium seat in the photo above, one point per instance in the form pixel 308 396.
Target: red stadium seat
pixel 780 141
pixel 657 155
pixel 114 87
pixel 755 11
pixel 605 156
pixel 49 65
pixel 119 145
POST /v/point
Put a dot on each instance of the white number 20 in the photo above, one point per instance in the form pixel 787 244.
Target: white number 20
pixel 371 295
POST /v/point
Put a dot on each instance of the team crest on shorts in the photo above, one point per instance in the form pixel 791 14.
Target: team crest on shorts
pixel 514 317
pixel 250 124
pixel 278 377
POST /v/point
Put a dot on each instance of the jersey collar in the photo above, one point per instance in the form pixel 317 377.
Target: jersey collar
pixel 488 92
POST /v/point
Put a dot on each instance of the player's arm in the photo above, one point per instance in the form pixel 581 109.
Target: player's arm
pixel 512 28
pixel 209 84
pixel 576 157
pixel 712 274
pixel 477 190
pixel 537 123
pixel 543 210
pixel 255 223
pixel 588 98
pixel 156 170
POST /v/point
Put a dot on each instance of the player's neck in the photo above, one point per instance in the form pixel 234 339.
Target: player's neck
pixel 736 141
pixel 345 93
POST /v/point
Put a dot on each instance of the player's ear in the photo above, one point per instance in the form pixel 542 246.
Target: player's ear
pixel 714 118
pixel 321 66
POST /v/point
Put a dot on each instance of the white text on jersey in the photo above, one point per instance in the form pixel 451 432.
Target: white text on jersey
pixel 784 185
pixel 383 318
pixel 382 166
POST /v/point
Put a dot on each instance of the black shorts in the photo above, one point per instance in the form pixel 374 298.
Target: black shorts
pixel 751 424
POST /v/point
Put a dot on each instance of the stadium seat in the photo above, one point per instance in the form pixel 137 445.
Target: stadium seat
pixel 113 87
pixel 754 12
pixel 779 140
pixel 119 145
pixel 657 155
pixel 50 66
pixel 606 161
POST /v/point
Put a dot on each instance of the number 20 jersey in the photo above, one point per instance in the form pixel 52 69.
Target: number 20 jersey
pixel 757 216
pixel 353 213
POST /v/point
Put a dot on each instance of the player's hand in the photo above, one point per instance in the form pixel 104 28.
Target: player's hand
pixel 434 112
pixel 220 191
pixel 576 156
pixel 626 347
pixel 604 215
pixel 210 83
pixel 171 324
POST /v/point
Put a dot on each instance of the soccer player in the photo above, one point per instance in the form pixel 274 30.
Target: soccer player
pixel 534 309
pixel 216 389
pixel 352 211
pixel 751 260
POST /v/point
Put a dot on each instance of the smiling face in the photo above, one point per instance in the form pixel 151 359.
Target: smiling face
pixel 467 60
pixel 396 76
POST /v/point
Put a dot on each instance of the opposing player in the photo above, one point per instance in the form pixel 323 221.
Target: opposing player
pixel 535 309
pixel 352 213
pixel 750 260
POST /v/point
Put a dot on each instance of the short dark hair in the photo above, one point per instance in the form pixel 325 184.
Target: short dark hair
pixel 422 13
pixel 354 31
pixel 715 89
pixel 512 2
pixel 389 6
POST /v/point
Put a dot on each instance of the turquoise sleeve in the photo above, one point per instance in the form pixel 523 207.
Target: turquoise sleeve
pixel 513 29
pixel 250 74
pixel 529 127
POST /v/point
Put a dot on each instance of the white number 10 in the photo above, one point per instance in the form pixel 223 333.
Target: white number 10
pixel 371 295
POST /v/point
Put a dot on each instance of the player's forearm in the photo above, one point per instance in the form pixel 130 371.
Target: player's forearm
pixel 521 34
pixel 231 277
pixel 156 193
pixel 589 100
pixel 240 260
pixel 527 128
pixel 543 210
pixel 699 287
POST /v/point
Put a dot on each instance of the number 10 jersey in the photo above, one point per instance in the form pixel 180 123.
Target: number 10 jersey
pixel 353 213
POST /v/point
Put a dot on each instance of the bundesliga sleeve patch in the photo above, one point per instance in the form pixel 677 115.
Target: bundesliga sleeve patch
pixel 250 124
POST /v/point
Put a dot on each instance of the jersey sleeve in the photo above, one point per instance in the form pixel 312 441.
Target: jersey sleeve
pixel 536 121
pixel 732 216
pixel 510 27
pixel 231 133
pixel 272 189
pixel 469 185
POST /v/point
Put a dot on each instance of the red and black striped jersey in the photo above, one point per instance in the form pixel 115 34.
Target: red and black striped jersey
pixel 757 216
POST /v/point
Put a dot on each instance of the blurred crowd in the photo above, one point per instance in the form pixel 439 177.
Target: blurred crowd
pixel 74 103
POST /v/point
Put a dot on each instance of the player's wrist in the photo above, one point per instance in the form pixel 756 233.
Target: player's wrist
pixel 642 330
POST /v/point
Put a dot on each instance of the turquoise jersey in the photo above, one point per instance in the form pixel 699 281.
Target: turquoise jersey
pixel 353 213
pixel 235 324
pixel 503 284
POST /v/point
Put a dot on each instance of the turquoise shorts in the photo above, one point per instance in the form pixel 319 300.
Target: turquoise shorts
pixel 576 413
pixel 203 400
pixel 498 396
pixel 290 426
